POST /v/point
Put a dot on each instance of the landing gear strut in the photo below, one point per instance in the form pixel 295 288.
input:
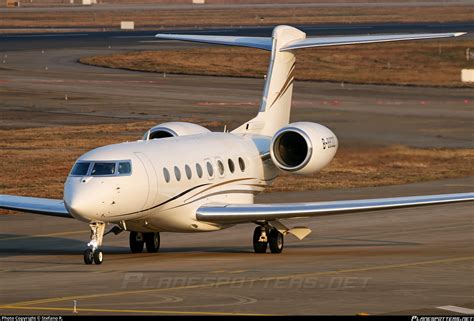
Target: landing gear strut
pixel 94 254
pixel 138 240
pixel 267 235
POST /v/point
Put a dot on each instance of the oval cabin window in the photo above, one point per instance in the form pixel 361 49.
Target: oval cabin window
pixel 166 175
pixel 199 170
pixel 241 164
pixel 210 169
pixel 231 165
pixel 221 167
pixel 177 173
pixel 187 169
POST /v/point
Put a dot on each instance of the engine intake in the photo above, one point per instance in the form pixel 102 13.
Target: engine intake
pixel 174 129
pixel 303 147
pixel 292 149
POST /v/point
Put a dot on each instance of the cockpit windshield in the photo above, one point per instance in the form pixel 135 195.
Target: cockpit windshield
pixel 80 169
pixel 102 168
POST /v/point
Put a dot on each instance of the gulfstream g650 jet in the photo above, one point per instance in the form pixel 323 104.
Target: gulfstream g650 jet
pixel 181 177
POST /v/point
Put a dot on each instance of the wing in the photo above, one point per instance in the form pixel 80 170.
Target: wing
pixel 44 206
pixel 244 213
pixel 266 42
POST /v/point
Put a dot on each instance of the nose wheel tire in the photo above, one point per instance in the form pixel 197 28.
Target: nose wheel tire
pixel 88 256
pixel 98 256
pixel 275 239
pixel 152 242
pixel 136 242
pixel 91 256
pixel 258 245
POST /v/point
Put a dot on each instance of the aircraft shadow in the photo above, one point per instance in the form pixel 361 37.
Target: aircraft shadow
pixel 15 245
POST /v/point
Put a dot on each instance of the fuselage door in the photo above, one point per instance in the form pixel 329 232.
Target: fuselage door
pixel 152 180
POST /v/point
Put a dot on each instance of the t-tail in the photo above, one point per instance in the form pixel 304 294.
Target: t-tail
pixel 275 105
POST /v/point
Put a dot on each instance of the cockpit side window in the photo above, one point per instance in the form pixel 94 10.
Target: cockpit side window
pixel 103 169
pixel 124 168
pixel 80 169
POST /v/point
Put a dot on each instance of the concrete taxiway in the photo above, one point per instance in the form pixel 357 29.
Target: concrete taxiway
pixel 407 261
pixel 39 71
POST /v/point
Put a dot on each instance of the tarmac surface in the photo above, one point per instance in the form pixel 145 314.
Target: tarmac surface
pixel 38 72
pixel 408 261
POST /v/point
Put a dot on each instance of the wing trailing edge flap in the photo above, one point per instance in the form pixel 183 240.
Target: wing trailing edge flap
pixel 299 231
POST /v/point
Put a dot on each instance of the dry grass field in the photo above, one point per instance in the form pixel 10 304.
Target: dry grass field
pixel 51 3
pixel 427 63
pixel 158 18
pixel 36 162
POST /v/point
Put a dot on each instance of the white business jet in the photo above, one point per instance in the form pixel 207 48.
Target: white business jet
pixel 181 177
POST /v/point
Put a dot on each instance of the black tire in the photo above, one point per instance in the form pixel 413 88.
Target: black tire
pixel 275 239
pixel 152 242
pixel 98 257
pixel 258 247
pixel 88 256
pixel 136 245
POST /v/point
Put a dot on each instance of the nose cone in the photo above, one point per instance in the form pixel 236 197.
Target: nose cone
pixel 77 207
pixel 79 200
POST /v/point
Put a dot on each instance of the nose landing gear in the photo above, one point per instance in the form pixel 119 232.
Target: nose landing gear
pixel 93 254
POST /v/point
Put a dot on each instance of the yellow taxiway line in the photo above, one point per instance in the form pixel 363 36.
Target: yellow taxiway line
pixel 41 235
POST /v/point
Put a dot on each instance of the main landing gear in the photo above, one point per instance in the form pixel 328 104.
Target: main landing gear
pixel 139 240
pixel 267 235
pixel 94 254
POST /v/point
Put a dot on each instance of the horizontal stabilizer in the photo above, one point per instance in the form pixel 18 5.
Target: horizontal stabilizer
pixel 265 43
pixel 352 40
pixel 252 42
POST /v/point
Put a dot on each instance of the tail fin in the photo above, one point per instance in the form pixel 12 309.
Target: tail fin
pixel 275 106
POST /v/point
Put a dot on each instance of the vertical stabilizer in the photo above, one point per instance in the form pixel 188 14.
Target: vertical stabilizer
pixel 275 106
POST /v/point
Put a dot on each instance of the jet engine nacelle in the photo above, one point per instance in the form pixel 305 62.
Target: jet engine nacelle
pixel 174 129
pixel 303 147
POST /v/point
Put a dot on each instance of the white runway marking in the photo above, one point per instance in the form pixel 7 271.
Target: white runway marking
pixel 456 309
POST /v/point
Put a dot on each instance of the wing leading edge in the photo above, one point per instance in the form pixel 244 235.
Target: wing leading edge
pixel 244 213
pixel 44 206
